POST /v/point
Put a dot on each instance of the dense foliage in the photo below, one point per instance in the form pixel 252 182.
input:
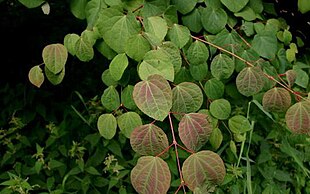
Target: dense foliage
pixel 197 96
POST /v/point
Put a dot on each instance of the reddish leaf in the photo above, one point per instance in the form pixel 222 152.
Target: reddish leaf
pixel 203 167
pixel 151 175
pixel 298 117
pixel 194 130
pixel 250 81
pixel 148 140
pixel 277 100
pixel 153 97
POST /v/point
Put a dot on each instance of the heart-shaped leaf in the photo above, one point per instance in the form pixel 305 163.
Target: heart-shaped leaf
pixel 239 124
pixel 197 53
pixel 297 117
pixel 213 19
pixel 250 81
pixel 55 57
pixel 277 100
pixel 110 98
pixel 265 44
pixel 153 97
pixel 128 121
pixel 148 140
pixel 222 66
pixel 107 125
pixel 156 26
pixel 179 35
pixel 204 167
pixel 194 130
pixel 55 79
pixel 84 50
pixel 151 175
pixel 220 109
pixel 173 52
pixel 214 88
pixel 136 47
pixel 36 76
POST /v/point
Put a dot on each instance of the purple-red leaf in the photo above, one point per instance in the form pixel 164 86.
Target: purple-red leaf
pixel 204 167
pixel 148 140
pixel 277 100
pixel 194 130
pixel 298 117
pixel 153 97
pixel 151 175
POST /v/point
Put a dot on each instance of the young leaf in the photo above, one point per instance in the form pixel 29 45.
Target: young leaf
pixel 151 175
pixel 148 140
pixel 235 6
pixel 204 167
pixel 55 57
pixel 187 97
pixel 118 66
pixel 153 97
pixel 179 35
pixel 213 20
pixel 197 53
pixel 250 81
pixel 107 125
pixel 214 88
pixel 194 130
pixel 277 100
pixel 36 76
pixel 220 109
pixel 110 98
pixel 239 124
pixel 222 66
pixel 128 121
pixel 297 117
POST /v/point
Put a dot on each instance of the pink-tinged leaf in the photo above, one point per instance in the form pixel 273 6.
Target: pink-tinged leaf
pixel 187 97
pixel 153 97
pixel 291 76
pixel 55 57
pixel 194 130
pixel 277 100
pixel 298 117
pixel 36 76
pixel 250 81
pixel 204 167
pixel 148 140
pixel 151 175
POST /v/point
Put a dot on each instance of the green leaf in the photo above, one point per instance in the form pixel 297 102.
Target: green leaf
pixel 257 6
pixel 179 35
pixel 151 175
pixel 78 8
pixel 184 6
pixel 302 78
pixel 107 78
pixel 156 62
pixel 118 66
pixel 55 57
pixel 277 100
pixel 171 15
pixel 222 66
pixel 187 98
pixel 70 42
pixel 153 97
pixel 204 167
pixel 105 50
pixel 148 140
pixel 247 14
pixel 110 98
pixel 136 47
pixel 107 125
pixel 31 3
pixel 116 28
pixel 36 76
pixel 239 124
pixel 55 79
pixel 228 40
pixel 194 130
pixel 249 55
pixel 199 72
pixel 297 117
pixel 303 6
pixel 216 138
pixel 84 50
pixel 156 26
pixel 250 81
pixel 234 6
pixel 214 88
pixel 92 10
pixel 128 121
pixel 193 21
pixel 154 8
pixel 173 52
pixel 265 44
pixel 126 97
pixel 213 20
pixel 197 53
pixel 90 36
pixel 220 109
